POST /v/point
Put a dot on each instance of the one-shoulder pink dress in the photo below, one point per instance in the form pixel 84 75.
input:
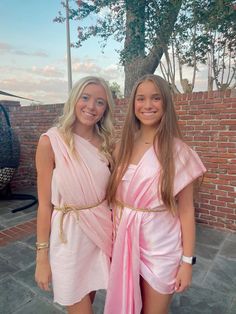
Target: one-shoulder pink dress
pixel 80 261
pixel 147 241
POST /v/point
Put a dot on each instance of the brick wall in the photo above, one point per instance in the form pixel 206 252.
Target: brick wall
pixel 208 123
pixel 29 122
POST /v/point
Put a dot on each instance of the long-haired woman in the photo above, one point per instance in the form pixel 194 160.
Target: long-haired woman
pixel 74 226
pixel 151 192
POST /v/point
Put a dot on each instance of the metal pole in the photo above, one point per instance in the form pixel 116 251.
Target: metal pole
pixel 68 48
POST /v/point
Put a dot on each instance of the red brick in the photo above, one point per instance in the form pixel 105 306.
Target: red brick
pixel 226 199
pixel 217 224
pixel 225 188
pixel 225 210
pixel 9 233
pixel 203 211
pixel 231 216
pixel 208 124
pixel 220 214
pixel 217 203
pixel 4 236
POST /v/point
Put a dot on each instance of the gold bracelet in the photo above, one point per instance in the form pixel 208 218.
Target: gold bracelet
pixel 41 249
pixel 42 245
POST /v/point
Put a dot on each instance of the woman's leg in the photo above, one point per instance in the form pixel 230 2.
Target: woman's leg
pixel 82 307
pixel 153 301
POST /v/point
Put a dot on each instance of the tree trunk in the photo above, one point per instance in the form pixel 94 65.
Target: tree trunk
pixel 134 49
pixel 139 67
pixel 136 63
pixel 133 71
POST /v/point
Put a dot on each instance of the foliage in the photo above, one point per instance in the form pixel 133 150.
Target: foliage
pixel 205 33
pixel 109 18
pixel 106 20
pixel 188 32
pixel 116 90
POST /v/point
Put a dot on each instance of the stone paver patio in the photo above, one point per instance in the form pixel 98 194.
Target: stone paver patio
pixel 214 281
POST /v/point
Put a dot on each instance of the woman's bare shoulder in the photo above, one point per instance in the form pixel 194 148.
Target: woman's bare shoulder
pixel 44 152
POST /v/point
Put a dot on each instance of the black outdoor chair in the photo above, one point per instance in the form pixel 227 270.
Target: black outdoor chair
pixel 9 161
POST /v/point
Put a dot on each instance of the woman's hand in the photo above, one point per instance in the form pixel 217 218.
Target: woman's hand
pixel 43 274
pixel 184 277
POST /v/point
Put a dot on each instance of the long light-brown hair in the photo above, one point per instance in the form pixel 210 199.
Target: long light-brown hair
pixel 104 127
pixel 167 130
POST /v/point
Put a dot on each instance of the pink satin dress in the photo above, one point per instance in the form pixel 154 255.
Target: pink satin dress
pixel 147 243
pixel 80 261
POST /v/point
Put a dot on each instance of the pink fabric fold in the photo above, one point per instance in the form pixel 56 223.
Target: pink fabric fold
pixel 82 183
pixel 147 244
pixel 82 264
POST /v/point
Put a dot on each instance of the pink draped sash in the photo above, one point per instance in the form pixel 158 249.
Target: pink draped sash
pixel 81 183
pixel 147 244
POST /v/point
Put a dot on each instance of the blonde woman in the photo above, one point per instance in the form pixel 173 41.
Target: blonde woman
pixel 74 226
pixel 151 190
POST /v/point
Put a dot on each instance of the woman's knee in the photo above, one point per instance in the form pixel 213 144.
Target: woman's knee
pixel 153 301
pixel 82 307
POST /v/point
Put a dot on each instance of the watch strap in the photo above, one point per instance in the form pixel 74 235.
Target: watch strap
pixel 189 259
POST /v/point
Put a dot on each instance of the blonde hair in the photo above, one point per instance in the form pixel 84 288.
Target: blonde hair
pixel 104 127
pixel 167 130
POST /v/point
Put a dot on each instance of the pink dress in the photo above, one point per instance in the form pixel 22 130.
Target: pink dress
pixel 81 263
pixel 147 244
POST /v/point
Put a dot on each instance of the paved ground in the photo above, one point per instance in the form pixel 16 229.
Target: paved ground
pixel 214 282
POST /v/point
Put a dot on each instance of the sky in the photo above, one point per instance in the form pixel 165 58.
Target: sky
pixel 33 53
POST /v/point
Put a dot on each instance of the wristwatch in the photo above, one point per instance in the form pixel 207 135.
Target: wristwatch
pixel 189 260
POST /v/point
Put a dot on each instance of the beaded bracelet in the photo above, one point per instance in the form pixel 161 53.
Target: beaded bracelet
pixel 42 245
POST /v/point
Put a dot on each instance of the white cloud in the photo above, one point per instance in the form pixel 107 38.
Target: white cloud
pixel 87 67
pixel 43 90
pixel 48 71
pixel 7 48
pixel 40 54
pixel 48 83
pixel 112 72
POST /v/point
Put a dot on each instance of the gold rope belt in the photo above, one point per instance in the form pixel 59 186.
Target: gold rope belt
pixel 75 209
pixel 122 205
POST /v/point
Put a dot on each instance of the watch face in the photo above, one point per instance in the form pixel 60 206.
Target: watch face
pixel 194 260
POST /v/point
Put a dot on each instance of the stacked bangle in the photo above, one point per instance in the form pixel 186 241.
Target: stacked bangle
pixel 42 245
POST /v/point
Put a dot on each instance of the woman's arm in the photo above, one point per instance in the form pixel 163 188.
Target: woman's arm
pixel 44 165
pixel 187 220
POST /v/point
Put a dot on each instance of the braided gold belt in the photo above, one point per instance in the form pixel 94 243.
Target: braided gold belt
pixel 75 209
pixel 121 205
